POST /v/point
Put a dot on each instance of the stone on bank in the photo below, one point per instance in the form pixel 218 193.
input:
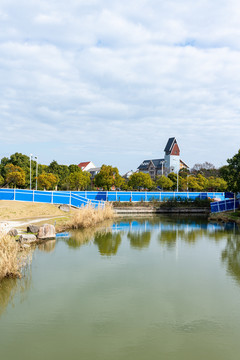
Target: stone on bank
pixel 46 232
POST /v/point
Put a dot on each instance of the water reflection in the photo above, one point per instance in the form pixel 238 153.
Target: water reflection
pixel 168 238
pixel 107 243
pixel 9 287
pixel 47 246
pixel 231 256
pixel 139 240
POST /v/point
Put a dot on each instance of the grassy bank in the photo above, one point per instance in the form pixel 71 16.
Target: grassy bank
pixel 226 217
pixel 15 210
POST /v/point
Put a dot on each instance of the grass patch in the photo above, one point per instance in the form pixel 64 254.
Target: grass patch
pixel 14 210
pixel 226 216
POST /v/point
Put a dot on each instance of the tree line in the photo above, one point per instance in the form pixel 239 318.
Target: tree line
pixel 15 172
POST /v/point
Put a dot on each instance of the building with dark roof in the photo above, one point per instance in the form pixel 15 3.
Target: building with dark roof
pixel 170 163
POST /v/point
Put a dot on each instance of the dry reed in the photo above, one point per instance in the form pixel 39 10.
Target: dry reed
pixel 9 261
pixel 12 257
pixel 89 216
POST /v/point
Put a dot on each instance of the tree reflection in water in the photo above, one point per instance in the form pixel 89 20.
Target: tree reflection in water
pixel 231 256
pixel 9 287
pixel 168 238
pixel 139 240
pixel 107 243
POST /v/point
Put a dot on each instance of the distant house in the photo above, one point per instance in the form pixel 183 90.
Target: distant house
pixel 128 174
pixel 85 166
pixel 153 167
pixel 170 163
pixel 94 171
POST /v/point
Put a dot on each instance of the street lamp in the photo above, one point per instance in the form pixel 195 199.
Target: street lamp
pixel 177 179
pixel 163 162
pixel 36 158
pixel 177 172
pixel 187 181
pixel 30 172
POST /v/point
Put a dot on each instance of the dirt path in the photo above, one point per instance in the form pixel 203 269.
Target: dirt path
pixel 5 226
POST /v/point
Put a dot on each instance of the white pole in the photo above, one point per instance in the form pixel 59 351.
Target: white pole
pixel 177 180
pixel 30 172
pixel 36 170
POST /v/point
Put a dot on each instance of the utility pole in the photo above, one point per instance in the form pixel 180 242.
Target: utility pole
pixel 36 170
pixel 30 172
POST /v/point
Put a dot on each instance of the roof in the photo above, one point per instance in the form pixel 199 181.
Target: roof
pixel 156 162
pixel 94 169
pixel 184 163
pixel 84 164
pixel 170 143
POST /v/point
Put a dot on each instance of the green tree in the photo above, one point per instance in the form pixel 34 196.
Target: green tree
pixel 173 177
pixel 231 173
pixel 107 177
pixel 1 180
pixel 202 182
pixel 79 180
pixel 217 184
pixel 164 182
pixel 15 175
pixel 193 183
pixel 74 168
pixel 140 180
pixel 47 181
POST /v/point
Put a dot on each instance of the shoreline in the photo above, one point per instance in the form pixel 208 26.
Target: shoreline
pixel 225 217
pixel 165 210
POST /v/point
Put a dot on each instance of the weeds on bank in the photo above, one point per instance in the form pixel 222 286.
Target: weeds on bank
pixel 89 216
pixel 9 263
pixel 12 257
pixel 176 203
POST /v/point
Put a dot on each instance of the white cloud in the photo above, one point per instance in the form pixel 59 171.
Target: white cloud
pixel 100 80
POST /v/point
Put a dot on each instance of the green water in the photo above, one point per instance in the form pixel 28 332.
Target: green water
pixel 154 288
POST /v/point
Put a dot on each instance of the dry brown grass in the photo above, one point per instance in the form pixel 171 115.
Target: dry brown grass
pixel 14 210
pixel 12 257
pixel 89 216
pixel 9 261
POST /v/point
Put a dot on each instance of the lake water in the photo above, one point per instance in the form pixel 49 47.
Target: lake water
pixel 147 288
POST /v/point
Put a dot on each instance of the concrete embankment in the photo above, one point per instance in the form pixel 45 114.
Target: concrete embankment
pixel 151 210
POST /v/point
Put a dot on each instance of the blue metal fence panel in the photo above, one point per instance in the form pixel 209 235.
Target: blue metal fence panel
pixel 135 196
pixel 226 205
pixel 53 197
pixel 6 194
pixel 97 198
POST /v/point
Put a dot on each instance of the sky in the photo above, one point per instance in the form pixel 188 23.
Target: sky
pixel 111 81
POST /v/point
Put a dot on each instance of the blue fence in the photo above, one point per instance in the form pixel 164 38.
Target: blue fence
pixel 48 197
pixel 225 205
pixel 97 198
pixel 136 196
